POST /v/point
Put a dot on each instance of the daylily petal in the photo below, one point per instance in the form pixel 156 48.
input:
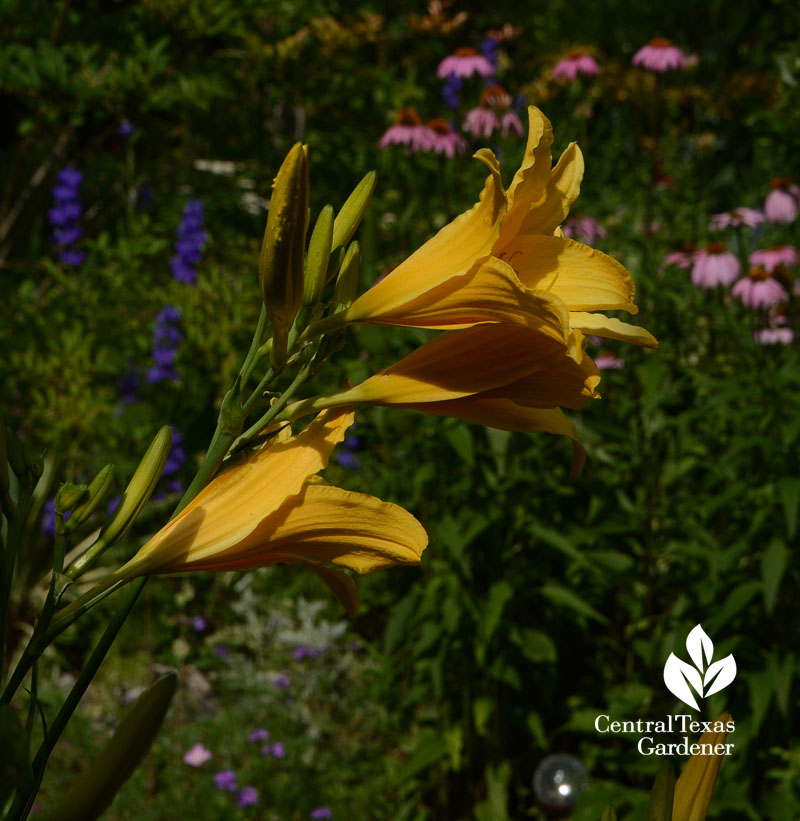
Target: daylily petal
pixel 341 585
pixel 561 191
pixel 505 414
pixel 584 278
pixel 566 384
pixel 528 186
pixel 331 525
pixel 452 252
pixel 611 328
pixel 455 364
pixel 490 292
pixel 231 506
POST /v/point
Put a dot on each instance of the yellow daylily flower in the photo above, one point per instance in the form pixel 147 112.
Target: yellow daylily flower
pixel 454 280
pixel 272 508
pixel 506 377
pixel 695 786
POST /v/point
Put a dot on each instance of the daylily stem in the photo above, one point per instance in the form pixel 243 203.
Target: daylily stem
pixel 252 357
pixel 323 326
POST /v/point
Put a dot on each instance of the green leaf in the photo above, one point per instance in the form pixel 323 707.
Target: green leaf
pixel 97 785
pixel 499 593
pixel 495 807
pixel 562 597
pixel 460 438
pixel 482 709
pixel 15 767
pixel 430 748
pixel 773 565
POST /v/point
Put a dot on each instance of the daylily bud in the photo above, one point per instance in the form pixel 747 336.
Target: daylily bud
pixel 319 255
pixel 281 264
pixel 139 488
pixel 352 212
pixel 335 264
pixel 231 415
pixel 97 490
pixel 69 495
pixel 347 281
pixel 662 795
pixel 97 785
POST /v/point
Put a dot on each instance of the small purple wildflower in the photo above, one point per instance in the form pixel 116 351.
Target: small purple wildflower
pixel 258 735
pixel 65 215
pixel 321 812
pixel 222 651
pixel 282 681
pixel 225 780
pixel 189 243
pixel 247 797
pixel 199 624
pixel 305 652
pixel 125 128
pixel 348 460
pixel 128 387
pixel 197 755
pixel 276 750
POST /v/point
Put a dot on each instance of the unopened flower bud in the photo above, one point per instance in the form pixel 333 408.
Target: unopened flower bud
pixel 69 495
pixel 26 464
pixel 347 281
pixel 94 790
pixel 97 491
pixel 139 488
pixel 352 212
pixel 319 255
pixel 282 251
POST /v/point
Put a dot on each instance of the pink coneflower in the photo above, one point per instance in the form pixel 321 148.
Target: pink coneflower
pixel 759 290
pixel 493 113
pixel 684 258
pixel 659 55
pixel 783 202
pixel 445 140
pixel 575 63
pixel 408 130
pixel 608 362
pixel 771 258
pixel 464 63
pixel 714 265
pixel 774 336
pixel 736 218
pixel 481 122
pixel 586 229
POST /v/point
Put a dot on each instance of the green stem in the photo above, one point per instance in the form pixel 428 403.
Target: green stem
pixel 22 803
pixel 216 453
pixel 323 326
pixel 273 412
pixel 251 360
pixel 256 394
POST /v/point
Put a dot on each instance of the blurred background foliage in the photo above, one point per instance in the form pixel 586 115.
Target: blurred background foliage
pixel 542 601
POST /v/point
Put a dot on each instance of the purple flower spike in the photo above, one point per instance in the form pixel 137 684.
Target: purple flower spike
pixel 190 239
pixel 65 215
pixel 321 812
pixel 226 780
pixel 199 624
pixel 282 681
pixel 276 750
pixel 247 797
pixel 258 735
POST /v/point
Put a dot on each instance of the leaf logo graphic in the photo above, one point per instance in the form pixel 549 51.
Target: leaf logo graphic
pixel 705 678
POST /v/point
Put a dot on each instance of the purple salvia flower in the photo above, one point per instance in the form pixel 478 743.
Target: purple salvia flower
pixel 259 734
pixel 189 243
pixel 451 92
pixel 282 681
pixel 65 215
pixel 199 624
pixel 321 812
